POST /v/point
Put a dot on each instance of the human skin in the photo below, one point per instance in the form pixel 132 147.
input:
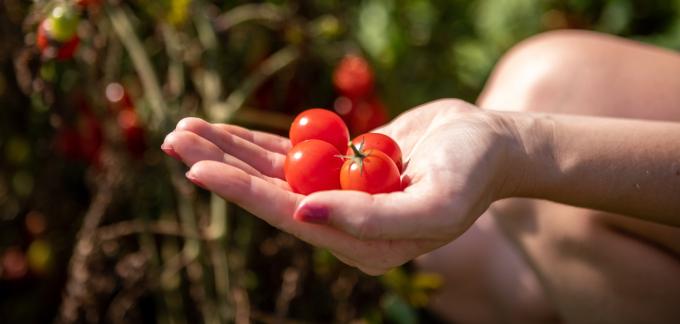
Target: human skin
pixel 460 160
pixel 529 260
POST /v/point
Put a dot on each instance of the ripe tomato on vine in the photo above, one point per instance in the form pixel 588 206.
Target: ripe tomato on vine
pixel 57 33
pixel 353 77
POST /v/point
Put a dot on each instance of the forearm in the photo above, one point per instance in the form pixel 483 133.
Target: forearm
pixel 630 167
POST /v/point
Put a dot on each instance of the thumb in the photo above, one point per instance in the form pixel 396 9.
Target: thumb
pixel 397 215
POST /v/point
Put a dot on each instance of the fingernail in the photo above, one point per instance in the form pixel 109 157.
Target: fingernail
pixel 193 179
pixel 170 151
pixel 312 214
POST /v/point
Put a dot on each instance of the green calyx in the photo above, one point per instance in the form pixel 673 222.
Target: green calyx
pixel 357 156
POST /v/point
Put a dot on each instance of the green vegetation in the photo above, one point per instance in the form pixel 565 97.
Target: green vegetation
pixel 97 225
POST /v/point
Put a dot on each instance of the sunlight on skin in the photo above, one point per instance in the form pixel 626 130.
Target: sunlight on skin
pixel 374 233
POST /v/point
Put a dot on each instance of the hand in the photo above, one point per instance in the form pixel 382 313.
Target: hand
pixel 455 156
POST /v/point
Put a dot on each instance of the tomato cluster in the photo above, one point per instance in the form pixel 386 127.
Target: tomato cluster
pixel 57 34
pixel 358 103
pixel 372 162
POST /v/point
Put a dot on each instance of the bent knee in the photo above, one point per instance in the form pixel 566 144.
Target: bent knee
pixel 581 72
pixel 539 71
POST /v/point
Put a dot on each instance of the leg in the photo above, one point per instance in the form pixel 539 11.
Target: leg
pixel 486 280
pixel 591 263
pixel 536 261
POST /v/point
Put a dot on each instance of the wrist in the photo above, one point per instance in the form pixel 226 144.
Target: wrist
pixel 530 154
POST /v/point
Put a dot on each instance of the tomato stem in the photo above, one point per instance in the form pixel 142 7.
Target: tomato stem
pixel 358 156
pixel 357 152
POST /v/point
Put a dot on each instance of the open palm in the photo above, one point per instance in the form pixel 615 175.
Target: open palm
pixel 451 155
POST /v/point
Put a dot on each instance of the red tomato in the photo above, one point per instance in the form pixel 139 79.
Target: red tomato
pixel 380 142
pixel 13 263
pixel 43 40
pixel 68 49
pixel 51 48
pixel 81 138
pixel 133 132
pixel 361 115
pixel 313 165
pixel 371 171
pixel 86 3
pixel 353 77
pixel 367 115
pixel 320 124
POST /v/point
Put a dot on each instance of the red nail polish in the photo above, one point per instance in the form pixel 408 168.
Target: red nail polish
pixel 194 180
pixel 170 152
pixel 312 214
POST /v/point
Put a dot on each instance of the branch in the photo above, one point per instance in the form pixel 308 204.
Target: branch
pixel 123 29
pixel 249 12
pixel 224 112
pixel 125 228
pixel 76 292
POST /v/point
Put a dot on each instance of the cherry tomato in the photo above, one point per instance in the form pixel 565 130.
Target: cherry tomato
pixel 380 142
pixel 320 124
pixel 13 263
pixel 86 3
pixel 353 77
pixel 82 137
pixel 62 22
pixel 361 115
pixel 371 171
pixel 313 165
pixel 42 39
pixel 51 48
pixel 133 132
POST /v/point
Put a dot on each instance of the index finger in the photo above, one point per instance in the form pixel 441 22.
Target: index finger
pixel 268 141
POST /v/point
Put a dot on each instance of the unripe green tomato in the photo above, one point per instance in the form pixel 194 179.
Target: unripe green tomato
pixel 63 22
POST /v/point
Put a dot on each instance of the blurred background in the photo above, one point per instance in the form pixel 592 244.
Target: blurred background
pixel 97 225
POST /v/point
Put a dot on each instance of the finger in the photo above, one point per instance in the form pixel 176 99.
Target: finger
pixel 267 162
pixel 267 141
pixel 276 206
pixel 268 202
pixel 191 149
pixel 397 216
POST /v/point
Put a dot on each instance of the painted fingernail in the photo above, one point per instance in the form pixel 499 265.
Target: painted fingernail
pixel 312 214
pixel 195 180
pixel 170 151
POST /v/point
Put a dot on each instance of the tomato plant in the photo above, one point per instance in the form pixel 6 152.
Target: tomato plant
pixel 57 37
pixel 371 171
pixel 313 165
pixel 320 124
pixel 380 142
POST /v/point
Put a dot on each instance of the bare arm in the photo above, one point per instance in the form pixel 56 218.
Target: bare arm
pixel 624 166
